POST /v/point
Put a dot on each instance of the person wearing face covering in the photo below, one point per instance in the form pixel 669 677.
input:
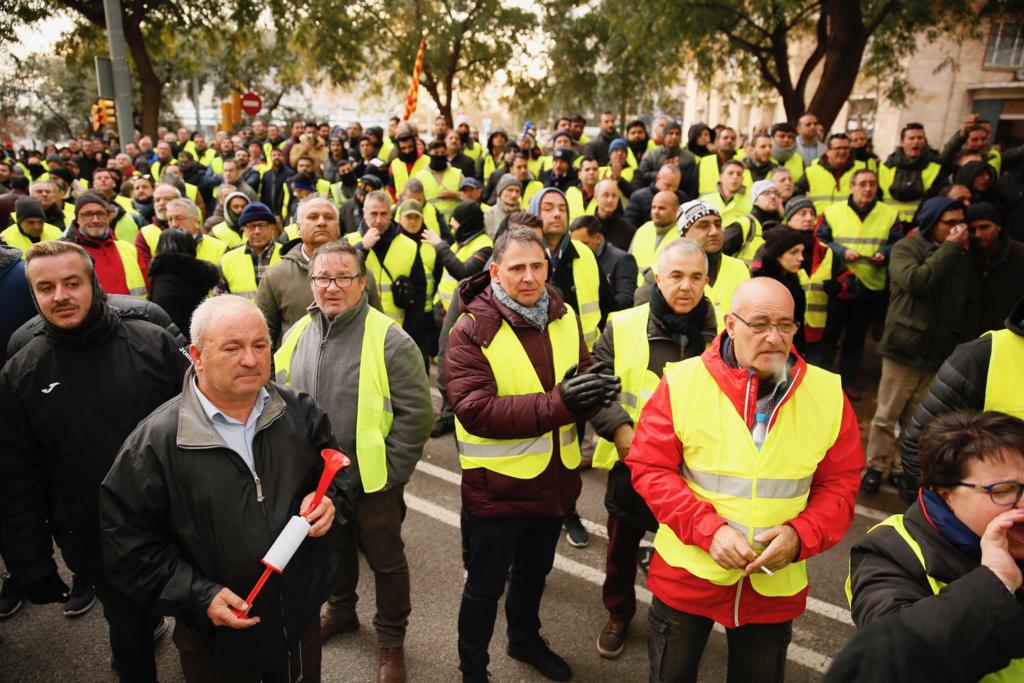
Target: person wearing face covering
pixel 440 179
pixel 229 230
pixel 97 375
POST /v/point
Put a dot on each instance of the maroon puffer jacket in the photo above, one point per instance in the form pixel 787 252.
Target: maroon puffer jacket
pixel 474 395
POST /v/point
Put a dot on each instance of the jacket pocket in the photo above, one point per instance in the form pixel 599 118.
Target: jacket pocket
pixel 905 335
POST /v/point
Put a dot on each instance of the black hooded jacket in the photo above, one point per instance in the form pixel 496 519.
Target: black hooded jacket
pixel 179 283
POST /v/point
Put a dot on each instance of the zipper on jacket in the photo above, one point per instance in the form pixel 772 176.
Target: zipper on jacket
pixel 736 604
pixel 259 486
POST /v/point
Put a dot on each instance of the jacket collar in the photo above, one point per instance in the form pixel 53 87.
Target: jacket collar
pixel 195 430
pixel 478 300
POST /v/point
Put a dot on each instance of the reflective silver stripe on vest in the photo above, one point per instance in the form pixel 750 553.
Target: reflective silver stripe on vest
pixel 387 404
pixel 592 307
pixel 817 308
pixel 817 287
pixel 138 291
pixel 742 487
pixel 569 436
pixel 631 400
pixel 860 240
pixel 590 337
pixel 281 377
pixel 542 444
pixel 745 530
pixel 383 287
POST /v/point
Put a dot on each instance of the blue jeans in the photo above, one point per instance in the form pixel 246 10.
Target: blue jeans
pixel 521 549
pixel 131 634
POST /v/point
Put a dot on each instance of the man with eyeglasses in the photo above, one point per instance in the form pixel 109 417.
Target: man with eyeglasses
pixel 826 180
pixel 243 267
pixel 861 231
pixel 345 354
pixel 749 459
pixel 116 261
pixel 934 304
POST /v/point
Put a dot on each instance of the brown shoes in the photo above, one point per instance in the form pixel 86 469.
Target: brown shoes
pixel 612 639
pixel 333 623
pixel 392 665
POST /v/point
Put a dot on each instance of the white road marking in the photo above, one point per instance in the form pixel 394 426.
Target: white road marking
pixel 871 513
pixel 800 655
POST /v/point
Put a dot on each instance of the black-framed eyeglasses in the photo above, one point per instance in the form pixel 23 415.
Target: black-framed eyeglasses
pixel 341 281
pixel 1005 493
pixel 784 327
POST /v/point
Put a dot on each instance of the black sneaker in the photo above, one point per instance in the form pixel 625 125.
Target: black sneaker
pixel 82 598
pixel 871 481
pixel 538 655
pixel 644 556
pixel 10 598
pixel 574 531
pixel 444 424
pixel 907 488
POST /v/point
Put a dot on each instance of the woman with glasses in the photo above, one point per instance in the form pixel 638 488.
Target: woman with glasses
pixel 950 567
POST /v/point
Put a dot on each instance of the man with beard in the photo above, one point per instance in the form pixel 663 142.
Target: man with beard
pixel 760 163
pixel 598 147
pixel 908 176
pixel 638 141
pixel 126 222
pixel 344 188
pixel 508 192
pixel 784 152
pixel 142 198
pixel 407 163
pixel 117 263
pixel 470 147
pixel 96 375
pixel 494 157
pixel 149 235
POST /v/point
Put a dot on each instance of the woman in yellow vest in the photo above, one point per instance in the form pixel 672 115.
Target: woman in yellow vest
pixel 951 565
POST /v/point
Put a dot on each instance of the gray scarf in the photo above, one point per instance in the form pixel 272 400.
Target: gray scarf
pixel 536 315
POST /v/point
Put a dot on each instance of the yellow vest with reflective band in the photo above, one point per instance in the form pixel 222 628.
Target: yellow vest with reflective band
pixel 574 197
pixel 490 165
pixel 532 188
pixel 866 238
pixel 752 239
pixel 738 206
pixel 386 147
pixel 400 173
pixel 731 274
pixel 474 150
pixel 240 274
pixel 795 164
pixel 632 356
pixel 154 170
pixel 822 187
pixel 399 259
pixel 514 375
pixel 450 180
pixel 291 232
pixel 16 238
pixel 373 411
pixel 1014 671
pixel 1005 368
pixel 586 275
pixel 126 228
pixel 752 490
pixel 323 188
pixel 709 175
pixel 886 176
pixel 627 174
pixel 69 213
pixel 132 273
pixel 816 309
pixel 463 252
pixel 224 233
pixel 646 246
pixel 208 249
pixel 205 158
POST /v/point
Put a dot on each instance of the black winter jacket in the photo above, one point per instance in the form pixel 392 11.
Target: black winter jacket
pixel 179 283
pixel 958 385
pixel 974 615
pixel 184 516
pixel 66 405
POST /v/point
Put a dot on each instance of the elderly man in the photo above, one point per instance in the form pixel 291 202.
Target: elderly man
pixel 243 266
pixel 517 379
pixel 183 214
pixel 200 491
pixel 116 261
pixel 68 399
pixel 638 343
pixel 749 459
pixel 283 293
pixel 344 353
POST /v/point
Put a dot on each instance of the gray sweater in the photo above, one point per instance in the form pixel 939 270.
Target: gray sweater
pixel 325 365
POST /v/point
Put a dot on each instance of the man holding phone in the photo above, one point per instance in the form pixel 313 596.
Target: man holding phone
pixel 933 306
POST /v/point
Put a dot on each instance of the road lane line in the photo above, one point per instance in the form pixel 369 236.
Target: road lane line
pixel 800 655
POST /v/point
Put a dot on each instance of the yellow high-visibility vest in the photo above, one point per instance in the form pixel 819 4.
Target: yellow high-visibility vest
pixel 155 168
pixel 753 238
pixel 1005 368
pixel 731 274
pixel 400 172
pixel 532 187
pixel 132 273
pixel 450 180
pixel 646 245
pixel 752 490
pixel 738 206
pixel 823 189
pixel 386 147
pixel 209 248
pixel 866 237
pixel 708 175
pixel 238 270
pixel 224 233
pixel 514 375
pixel 907 209
pixel 795 164
pixel 16 238
pixel 374 415
pixel 816 308
pixel 632 356
pixel 577 208
pixel 463 252
pixel 586 275
pixel 399 261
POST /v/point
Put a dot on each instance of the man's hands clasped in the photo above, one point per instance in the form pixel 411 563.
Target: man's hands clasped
pixel 595 388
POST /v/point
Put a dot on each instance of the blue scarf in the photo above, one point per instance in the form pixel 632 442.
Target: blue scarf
pixel 950 526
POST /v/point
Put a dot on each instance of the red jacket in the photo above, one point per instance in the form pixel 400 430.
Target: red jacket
pixel 654 460
pixel 473 394
pixel 106 258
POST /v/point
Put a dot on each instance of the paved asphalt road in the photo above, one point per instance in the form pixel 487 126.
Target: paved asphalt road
pixel 39 644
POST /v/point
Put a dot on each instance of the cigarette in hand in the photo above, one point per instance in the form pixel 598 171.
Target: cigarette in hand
pixel 767 571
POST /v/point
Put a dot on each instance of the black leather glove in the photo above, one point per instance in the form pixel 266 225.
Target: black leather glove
pixel 831 287
pixel 50 588
pixel 612 384
pixel 583 393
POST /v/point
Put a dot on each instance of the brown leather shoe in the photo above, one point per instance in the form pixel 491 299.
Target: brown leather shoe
pixel 392 665
pixel 612 640
pixel 333 623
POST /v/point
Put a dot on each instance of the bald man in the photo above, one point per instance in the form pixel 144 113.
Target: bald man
pixel 771 468
pixel 178 508
pixel 656 233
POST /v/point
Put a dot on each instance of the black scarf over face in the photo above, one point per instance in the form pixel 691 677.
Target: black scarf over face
pixel 689 325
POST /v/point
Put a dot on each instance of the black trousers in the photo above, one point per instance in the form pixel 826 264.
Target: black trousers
pixel 846 329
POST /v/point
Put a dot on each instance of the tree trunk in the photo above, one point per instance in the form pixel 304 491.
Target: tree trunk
pixel 848 40
pixel 149 83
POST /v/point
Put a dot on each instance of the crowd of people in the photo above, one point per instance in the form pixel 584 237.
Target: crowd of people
pixel 701 304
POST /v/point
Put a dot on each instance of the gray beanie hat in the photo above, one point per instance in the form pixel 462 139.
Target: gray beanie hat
pixel 691 212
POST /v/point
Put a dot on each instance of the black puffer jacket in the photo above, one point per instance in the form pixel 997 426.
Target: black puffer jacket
pixel 959 385
pixel 974 616
pixel 183 516
pixel 179 283
pixel 67 402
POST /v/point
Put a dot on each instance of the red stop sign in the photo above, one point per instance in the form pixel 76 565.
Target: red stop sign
pixel 251 103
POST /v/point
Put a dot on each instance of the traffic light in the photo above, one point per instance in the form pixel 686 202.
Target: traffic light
pixel 103 113
pixel 96 116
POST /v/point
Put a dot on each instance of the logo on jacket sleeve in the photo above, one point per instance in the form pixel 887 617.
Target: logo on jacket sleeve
pixel 50 388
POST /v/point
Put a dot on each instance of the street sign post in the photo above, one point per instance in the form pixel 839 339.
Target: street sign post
pixel 251 103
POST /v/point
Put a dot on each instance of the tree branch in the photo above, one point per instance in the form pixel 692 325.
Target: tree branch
pixel 819 51
pixel 873 25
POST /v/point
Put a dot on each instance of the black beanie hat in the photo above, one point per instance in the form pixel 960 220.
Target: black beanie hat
pixel 983 211
pixel 28 207
pixel 779 240
pixel 89 198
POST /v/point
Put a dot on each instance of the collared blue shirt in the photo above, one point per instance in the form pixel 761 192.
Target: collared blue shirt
pixel 237 436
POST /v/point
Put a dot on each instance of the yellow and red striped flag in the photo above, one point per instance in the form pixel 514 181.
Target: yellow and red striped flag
pixel 414 87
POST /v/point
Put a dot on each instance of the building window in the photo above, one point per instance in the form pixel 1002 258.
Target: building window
pixel 1006 46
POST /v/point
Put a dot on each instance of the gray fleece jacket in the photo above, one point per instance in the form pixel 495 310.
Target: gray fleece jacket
pixel 325 365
